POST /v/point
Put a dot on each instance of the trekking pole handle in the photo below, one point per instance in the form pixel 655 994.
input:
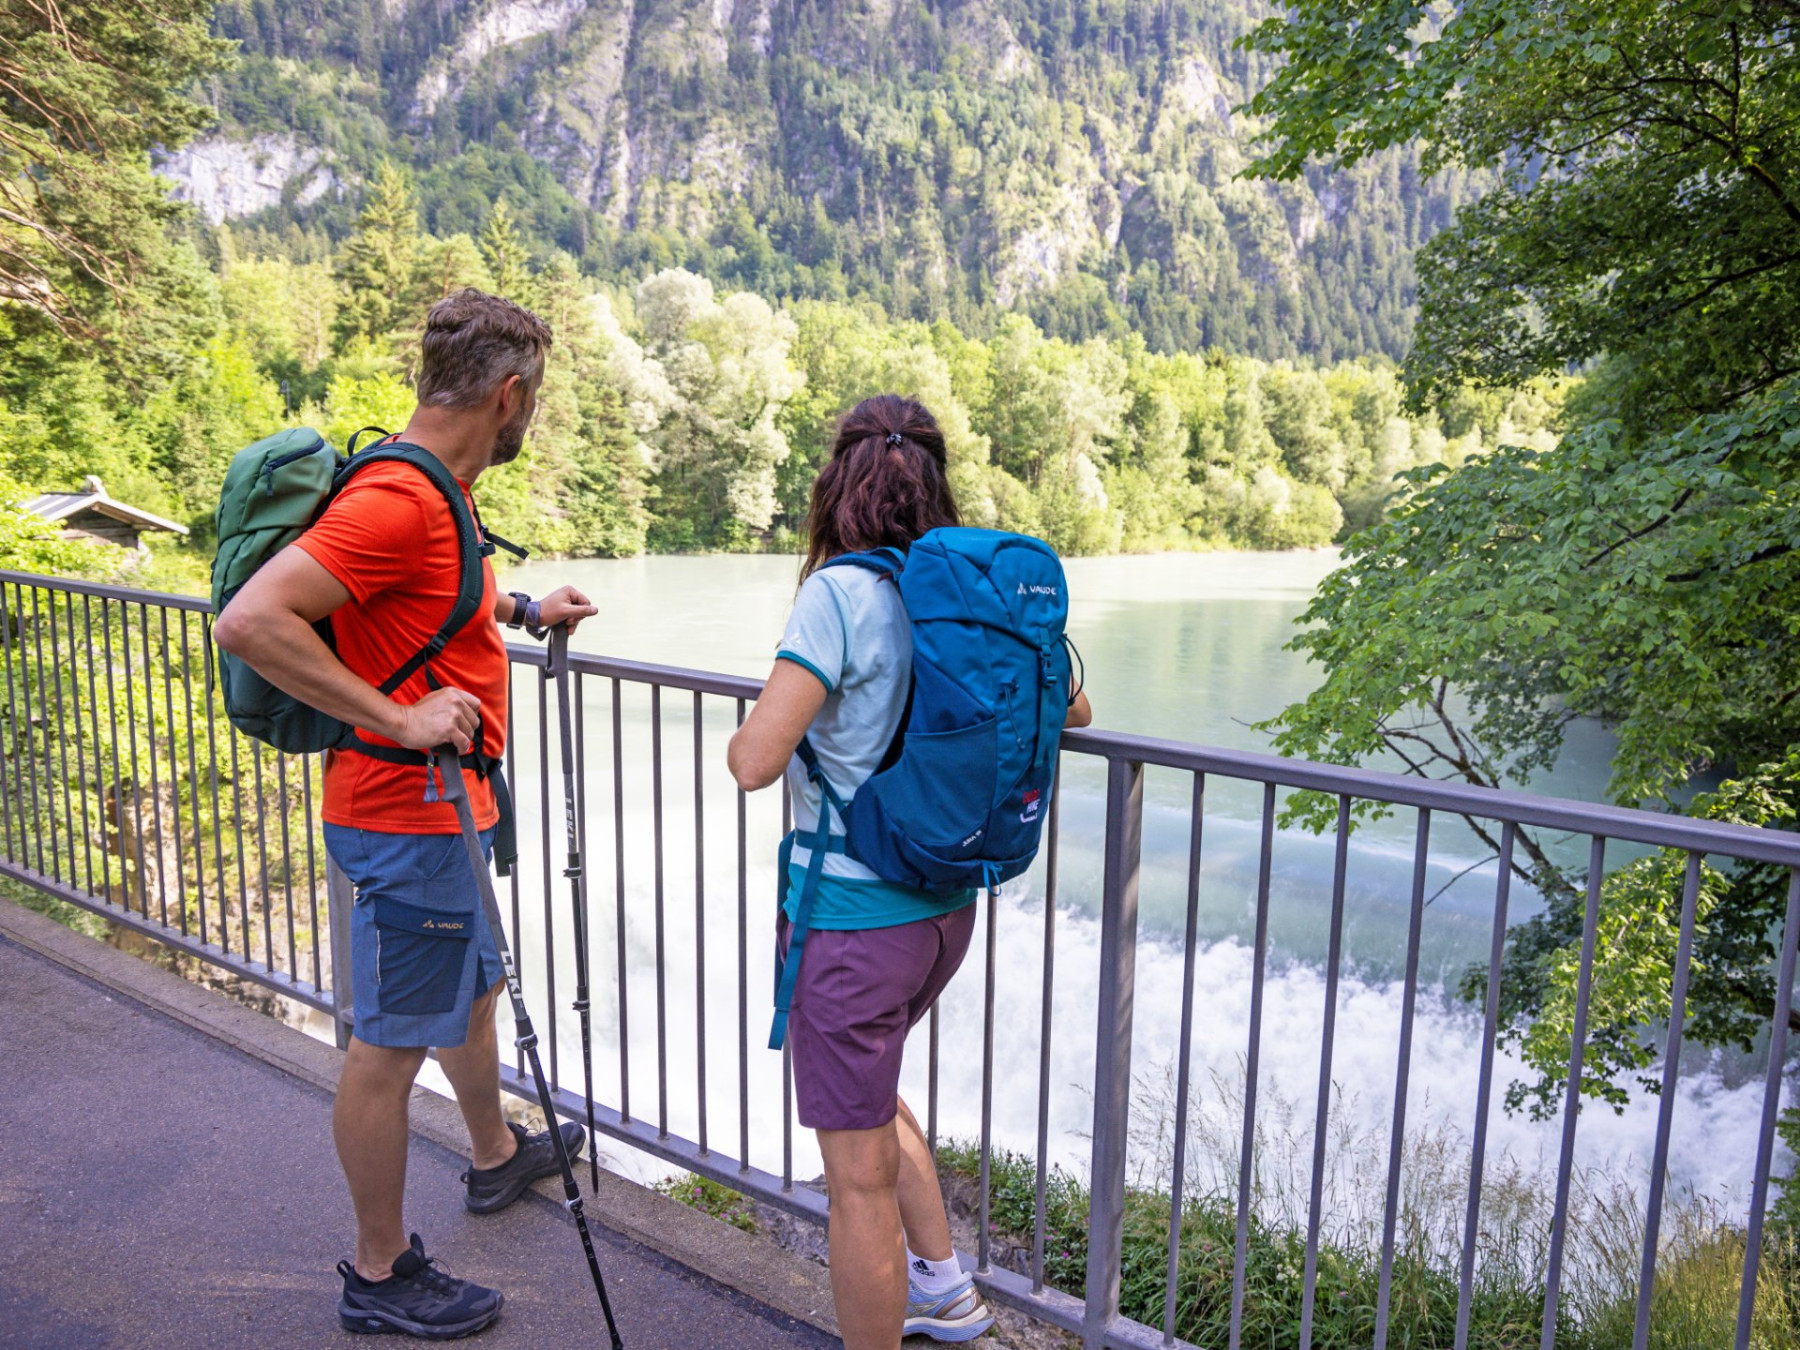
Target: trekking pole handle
pixel 454 788
pixel 556 648
pixel 556 665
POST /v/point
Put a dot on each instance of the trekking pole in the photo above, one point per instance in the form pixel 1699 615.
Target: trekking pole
pixel 456 791
pixel 559 667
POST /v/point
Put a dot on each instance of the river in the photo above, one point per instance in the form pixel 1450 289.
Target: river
pixel 1187 647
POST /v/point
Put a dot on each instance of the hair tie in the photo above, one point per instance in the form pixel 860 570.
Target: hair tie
pixel 894 438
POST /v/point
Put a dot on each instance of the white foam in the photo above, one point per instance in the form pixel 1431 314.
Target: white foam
pixel 1715 1120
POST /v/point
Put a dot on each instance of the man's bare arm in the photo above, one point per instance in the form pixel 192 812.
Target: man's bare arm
pixel 565 605
pixel 269 625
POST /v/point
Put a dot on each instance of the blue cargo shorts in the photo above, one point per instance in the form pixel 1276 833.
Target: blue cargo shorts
pixel 420 949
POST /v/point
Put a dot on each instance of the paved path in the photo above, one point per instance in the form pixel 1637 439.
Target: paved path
pixel 161 1188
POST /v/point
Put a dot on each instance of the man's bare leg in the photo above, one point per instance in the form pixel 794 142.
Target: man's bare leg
pixel 369 1125
pixel 473 1069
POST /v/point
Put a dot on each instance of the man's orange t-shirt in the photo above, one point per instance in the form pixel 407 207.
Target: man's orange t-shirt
pixel 390 540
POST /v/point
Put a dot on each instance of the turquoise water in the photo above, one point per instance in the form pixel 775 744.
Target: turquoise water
pixel 1184 647
pixel 1188 647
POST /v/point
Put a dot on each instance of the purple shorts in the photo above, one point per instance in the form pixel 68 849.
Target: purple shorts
pixel 859 992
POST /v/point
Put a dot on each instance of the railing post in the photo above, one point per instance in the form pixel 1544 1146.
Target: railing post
pixel 1112 1046
pixel 340 897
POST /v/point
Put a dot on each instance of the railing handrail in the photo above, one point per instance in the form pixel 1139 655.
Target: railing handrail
pixel 37 782
pixel 1661 829
pixel 1657 829
pixel 194 604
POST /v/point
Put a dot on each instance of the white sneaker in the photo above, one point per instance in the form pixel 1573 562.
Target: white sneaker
pixel 959 1315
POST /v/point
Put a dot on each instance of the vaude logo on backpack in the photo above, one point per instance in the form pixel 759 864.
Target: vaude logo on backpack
pixel 957 801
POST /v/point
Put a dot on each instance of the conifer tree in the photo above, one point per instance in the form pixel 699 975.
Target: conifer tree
pixel 85 91
pixel 503 250
pixel 376 266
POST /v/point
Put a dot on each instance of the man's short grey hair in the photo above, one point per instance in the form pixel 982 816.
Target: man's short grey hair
pixel 473 342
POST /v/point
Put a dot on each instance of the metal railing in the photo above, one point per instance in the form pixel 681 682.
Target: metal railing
pixel 127 793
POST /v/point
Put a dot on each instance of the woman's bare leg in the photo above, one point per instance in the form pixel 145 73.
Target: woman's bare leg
pixel 921 1200
pixel 868 1245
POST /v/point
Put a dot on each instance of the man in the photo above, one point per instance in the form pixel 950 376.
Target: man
pixel 383 561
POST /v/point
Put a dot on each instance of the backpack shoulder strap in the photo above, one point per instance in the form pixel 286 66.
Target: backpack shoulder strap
pixel 491 541
pixel 470 581
pixel 887 562
pixel 820 843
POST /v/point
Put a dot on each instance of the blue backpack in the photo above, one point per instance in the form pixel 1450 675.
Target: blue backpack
pixel 960 796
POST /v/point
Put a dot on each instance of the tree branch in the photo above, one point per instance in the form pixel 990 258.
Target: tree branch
pixel 1762 555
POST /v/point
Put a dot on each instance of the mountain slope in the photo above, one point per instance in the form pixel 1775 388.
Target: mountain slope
pixel 1076 159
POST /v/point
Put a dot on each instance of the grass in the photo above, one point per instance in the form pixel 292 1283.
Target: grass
pixel 1699 1268
pixel 709 1197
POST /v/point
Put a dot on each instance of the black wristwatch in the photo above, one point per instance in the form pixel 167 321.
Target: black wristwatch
pixel 520 602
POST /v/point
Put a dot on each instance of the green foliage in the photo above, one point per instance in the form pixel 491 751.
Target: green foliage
pixel 195 424
pixel 1640 583
pixel 677 417
pixel 503 251
pixel 1784 1207
pixel 1507 1306
pixel 1639 572
pixel 709 1197
pixel 684 413
pixel 1075 163
pixel 125 781
pixel 688 412
pixel 1643 583
pixel 88 88
pixel 1647 207
pixel 708 377
pixel 69 916
pixel 376 266
pixel 1738 918
pixel 352 402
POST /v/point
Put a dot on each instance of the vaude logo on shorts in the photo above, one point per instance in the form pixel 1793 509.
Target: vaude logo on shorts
pixel 445 927
pixel 1036 590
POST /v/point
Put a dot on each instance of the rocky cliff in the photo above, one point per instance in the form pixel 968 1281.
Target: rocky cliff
pixel 1077 158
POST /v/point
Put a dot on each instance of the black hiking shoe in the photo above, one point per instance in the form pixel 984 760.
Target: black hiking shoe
pixel 418 1299
pixel 495 1188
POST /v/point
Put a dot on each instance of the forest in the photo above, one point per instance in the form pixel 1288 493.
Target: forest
pixel 1132 346
pixel 681 415
pixel 1078 161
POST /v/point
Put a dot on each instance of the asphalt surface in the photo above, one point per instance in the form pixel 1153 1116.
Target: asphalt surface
pixel 161 1188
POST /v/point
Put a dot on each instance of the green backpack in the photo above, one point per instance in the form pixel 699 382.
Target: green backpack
pixel 273 491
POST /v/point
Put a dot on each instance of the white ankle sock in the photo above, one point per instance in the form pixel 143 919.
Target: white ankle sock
pixel 933 1277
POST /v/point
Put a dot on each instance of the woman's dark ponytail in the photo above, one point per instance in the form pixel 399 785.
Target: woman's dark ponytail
pixel 885 485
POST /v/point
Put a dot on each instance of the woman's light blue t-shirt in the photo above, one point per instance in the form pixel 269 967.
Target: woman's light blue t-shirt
pixel 849 628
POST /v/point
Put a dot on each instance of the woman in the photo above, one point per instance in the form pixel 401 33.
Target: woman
pixel 879 954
